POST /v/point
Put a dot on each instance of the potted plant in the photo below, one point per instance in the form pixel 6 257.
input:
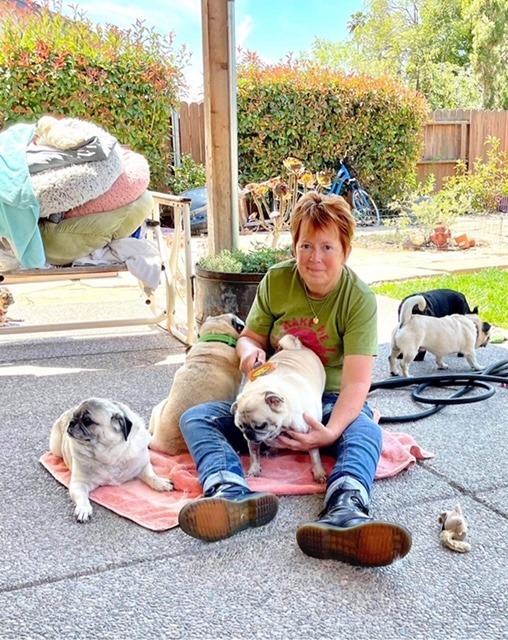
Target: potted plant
pixel 227 282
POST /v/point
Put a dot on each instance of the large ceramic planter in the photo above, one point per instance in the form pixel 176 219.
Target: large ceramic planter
pixel 216 293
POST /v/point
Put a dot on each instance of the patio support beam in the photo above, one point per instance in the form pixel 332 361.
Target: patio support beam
pixel 219 71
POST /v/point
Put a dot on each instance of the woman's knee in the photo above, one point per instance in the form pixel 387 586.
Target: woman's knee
pixel 366 428
pixel 206 412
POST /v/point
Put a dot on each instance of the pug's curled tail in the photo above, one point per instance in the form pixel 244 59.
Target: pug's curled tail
pixel 406 312
pixel 290 342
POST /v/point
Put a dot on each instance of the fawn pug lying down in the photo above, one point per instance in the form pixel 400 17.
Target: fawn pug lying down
pixel 441 336
pixel 276 396
pixel 102 442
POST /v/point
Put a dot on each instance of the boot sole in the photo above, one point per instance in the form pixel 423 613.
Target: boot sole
pixel 373 544
pixel 212 519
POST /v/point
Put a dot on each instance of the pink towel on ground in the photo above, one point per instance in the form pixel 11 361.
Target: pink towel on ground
pixel 283 474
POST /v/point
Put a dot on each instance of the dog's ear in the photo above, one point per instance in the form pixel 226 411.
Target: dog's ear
pixel 442 518
pixel 486 327
pixel 234 407
pixel 273 400
pixel 475 310
pixel 238 324
pixel 457 510
pixel 124 422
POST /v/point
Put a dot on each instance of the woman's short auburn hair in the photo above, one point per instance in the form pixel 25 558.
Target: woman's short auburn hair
pixel 319 211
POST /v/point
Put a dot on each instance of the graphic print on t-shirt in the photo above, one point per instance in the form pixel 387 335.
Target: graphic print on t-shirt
pixel 310 336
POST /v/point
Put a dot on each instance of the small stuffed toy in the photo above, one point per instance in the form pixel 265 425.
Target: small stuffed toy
pixel 454 530
pixel 6 299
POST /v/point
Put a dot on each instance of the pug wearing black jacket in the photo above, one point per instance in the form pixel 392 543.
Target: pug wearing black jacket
pixel 439 303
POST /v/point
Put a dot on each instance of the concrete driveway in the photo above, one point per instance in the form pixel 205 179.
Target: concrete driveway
pixel 112 579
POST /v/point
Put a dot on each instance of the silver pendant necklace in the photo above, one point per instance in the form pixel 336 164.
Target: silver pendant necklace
pixel 315 319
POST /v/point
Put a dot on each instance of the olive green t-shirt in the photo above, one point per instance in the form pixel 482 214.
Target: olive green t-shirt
pixel 347 317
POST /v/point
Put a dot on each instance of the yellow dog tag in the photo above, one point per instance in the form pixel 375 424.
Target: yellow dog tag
pixel 262 370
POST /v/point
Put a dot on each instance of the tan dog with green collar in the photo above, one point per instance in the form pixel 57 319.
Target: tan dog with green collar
pixel 210 373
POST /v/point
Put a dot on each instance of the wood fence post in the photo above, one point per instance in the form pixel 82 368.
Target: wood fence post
pixel 221 149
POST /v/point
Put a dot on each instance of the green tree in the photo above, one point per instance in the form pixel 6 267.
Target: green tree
pixel 425 44
pixel 490 51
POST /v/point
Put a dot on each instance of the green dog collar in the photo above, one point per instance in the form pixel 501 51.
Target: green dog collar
pixel 218 337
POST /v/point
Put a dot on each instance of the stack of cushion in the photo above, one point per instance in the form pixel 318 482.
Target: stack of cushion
pixel 129 186
pixel 76 237
pixel 85 205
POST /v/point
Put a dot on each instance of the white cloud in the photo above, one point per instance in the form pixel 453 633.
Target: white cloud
pixel 164 15
pixel 243 30
pixel 194 77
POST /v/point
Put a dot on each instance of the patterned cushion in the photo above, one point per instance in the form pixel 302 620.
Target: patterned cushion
pixel 59 190
pixel 128 187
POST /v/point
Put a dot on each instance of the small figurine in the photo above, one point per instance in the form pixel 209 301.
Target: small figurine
pixel 454 530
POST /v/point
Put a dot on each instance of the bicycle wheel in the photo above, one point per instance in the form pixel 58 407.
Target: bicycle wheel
pixel 365 209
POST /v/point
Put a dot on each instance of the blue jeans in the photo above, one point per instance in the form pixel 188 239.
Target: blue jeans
pixel 215 441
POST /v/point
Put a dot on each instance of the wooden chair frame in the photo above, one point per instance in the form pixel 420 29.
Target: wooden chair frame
pixel 165 317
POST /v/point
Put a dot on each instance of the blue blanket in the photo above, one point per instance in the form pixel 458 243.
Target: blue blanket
pixel 19 208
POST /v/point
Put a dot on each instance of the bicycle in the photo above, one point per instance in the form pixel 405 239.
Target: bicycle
pixel 346 184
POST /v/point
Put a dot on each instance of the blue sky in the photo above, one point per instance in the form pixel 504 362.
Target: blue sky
pixel 272 28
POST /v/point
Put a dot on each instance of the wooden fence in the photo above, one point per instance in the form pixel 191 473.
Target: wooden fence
pixel 450 136
pixel 459 134
pixel 192 130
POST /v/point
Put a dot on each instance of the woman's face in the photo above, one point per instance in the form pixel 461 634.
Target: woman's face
pixel 320 258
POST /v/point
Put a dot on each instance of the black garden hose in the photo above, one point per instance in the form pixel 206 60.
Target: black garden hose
pixel 497 373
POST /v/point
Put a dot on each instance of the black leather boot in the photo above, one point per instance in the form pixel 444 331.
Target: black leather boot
pixel 226 510
pixel 344 531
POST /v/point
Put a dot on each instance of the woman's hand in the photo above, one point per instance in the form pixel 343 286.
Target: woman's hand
pixel 251 349
pixel 251 360
pixel 318 436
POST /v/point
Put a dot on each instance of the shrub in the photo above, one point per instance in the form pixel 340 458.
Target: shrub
pixel 320 115
pixel 189 175
pixel 424 209
pixel 482 186
pixel 467 192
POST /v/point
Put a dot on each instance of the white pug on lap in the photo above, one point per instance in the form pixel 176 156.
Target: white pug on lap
pixel 276 396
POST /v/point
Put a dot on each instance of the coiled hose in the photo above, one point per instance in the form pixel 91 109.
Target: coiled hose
pixel 497 372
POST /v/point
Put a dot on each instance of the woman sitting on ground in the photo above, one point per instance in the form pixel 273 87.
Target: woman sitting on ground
pixel 316 297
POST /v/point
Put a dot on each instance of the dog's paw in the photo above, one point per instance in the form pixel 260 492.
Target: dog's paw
pixel 254 471
pixel 149 477
pixel 83 512
pixel 162 484
pixel 319 475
